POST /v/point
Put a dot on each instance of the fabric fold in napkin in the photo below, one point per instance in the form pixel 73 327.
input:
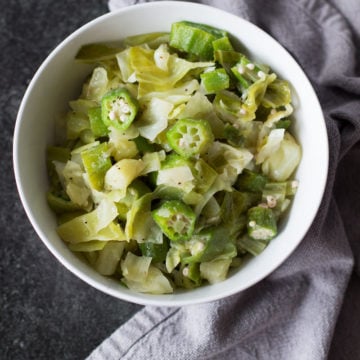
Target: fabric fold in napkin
pixel 292 314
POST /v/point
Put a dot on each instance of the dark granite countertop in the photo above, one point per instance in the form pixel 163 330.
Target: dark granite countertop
pixel 45 311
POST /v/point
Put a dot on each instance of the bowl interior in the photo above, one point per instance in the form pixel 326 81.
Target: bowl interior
pixel 59 80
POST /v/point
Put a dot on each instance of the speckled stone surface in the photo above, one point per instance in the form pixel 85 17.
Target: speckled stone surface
pixel 45 311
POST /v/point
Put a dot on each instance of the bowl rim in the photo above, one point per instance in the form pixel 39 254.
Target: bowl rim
pixel 148 299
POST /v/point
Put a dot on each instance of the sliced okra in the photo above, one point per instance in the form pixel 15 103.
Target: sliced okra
pixel 189 137
pixel 175 219
pixel 261 223
pixel 119 108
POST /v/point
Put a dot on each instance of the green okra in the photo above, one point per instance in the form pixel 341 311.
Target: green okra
pixel 195 39
pixel 251 181
pixel 191 275
pixel 119 108
pixel 214 81
pixel 247 73
pixel 189 137
pixel 175 219
pixel 261 223
pixel 209 244
pixel 223 44
pixel 227 59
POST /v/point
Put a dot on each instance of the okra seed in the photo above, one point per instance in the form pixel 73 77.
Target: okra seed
pixel 250 66
pixel 240 69
pixel 261 74
pixel 185 271
pixel 271 201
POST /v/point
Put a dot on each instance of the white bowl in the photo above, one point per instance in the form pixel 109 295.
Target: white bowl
pixel 59 80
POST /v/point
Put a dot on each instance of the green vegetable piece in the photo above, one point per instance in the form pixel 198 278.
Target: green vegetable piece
pixel 92 53
pixel 165 192
pixel 109 257
pixel 261 223
pixel 191 275
pixel 277 94
pixel 214 81
pixel 189 137
pixel 81 229
pixel 143 145
pixel 89 246
pixel 247 73
pixel 227 59
pixel 223 44
pixel 209 244
pixel 195 39
pixel 251 181
pixel 283 123
pixel 175 219
pixel 156 251
pixel 76 122
pixel 134 192
pixel 229 106
pixel 96 162
pixel 82 105
pixel 216 270
pixel 57 153
pixel 97 126
pixel 248 244
pixel 60 205
pixel 204 174
pixel 153 40
pixel 234 208
pixel 233 135
pixel 275 191
pixel 119 108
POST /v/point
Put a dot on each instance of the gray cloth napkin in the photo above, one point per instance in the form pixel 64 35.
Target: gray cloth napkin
pixel 292 313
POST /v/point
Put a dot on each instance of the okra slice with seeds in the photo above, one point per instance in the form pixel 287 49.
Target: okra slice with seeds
pixel 209 244
pixel 190 137
pixel 248 73
pixel 261 223
pixel 119 108
pixel 175 219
